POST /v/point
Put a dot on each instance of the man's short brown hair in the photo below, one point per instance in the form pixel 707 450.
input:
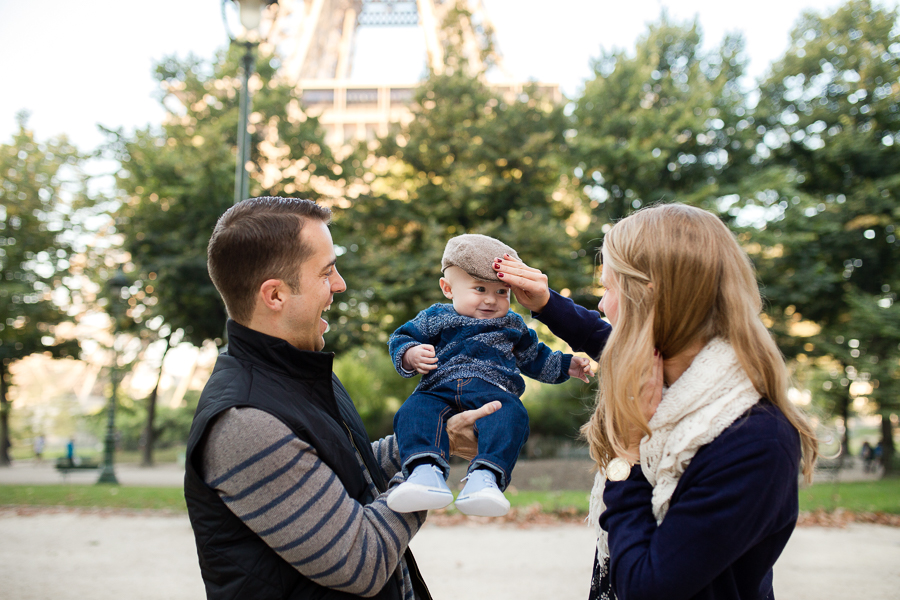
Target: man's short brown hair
pixel 256 240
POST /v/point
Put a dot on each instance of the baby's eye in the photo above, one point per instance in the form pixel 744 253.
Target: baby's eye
pixel 479 289
pixel 503 292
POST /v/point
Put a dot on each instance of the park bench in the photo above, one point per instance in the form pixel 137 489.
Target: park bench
pixel 66 465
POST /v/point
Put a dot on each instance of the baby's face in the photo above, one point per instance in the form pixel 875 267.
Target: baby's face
pixel 474 298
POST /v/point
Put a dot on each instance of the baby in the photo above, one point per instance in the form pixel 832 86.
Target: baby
pixel 469 353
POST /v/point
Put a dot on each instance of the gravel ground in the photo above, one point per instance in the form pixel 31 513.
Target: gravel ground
pixel 107 555
pixel 113 555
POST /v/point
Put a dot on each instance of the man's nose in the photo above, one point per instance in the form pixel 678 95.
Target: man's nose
pixel 338 286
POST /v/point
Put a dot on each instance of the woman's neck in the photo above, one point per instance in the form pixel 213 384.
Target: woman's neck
pixel 674 367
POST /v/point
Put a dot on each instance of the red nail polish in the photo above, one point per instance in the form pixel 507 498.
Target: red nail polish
pixel 499 274
pixel 655 352
pixel 496 266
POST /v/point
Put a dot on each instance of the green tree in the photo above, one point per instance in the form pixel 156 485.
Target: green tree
pixel 471 160
pixel 42 199
pixel 177 179
pixel 666 123
pixel 829 117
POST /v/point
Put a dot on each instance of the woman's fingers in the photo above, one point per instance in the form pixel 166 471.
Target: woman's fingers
pixel 529 285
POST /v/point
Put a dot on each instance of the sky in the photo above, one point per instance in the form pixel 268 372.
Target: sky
pixel 77 64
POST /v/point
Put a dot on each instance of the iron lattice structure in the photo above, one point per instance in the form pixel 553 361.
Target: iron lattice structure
pixel 316 40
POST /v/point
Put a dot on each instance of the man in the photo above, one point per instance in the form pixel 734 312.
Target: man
pixel 285 493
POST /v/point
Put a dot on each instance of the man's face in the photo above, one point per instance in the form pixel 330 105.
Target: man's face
pixel 474 298
pixel 319 281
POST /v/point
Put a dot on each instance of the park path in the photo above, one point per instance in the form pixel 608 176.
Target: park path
pixel 109 555
pixel 72 555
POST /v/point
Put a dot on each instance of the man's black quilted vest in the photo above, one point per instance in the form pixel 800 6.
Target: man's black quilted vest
pixel 299 389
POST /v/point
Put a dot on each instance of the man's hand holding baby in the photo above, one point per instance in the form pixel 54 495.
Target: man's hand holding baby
pixel 420 359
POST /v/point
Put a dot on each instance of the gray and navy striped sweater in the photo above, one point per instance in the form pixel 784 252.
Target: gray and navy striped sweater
pixel 257 466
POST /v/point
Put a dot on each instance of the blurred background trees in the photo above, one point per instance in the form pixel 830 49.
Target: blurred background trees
pixel 42 204
pixel 803 165
pixel 668 121
pixel 829 117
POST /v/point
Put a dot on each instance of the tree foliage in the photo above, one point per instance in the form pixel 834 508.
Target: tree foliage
pixel 829 115
pixel 179 178
pixel 666 123
pixel 42 199
pixel 472 160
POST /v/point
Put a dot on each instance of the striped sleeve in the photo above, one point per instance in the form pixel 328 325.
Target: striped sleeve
pixel 276 484
pixel 387 452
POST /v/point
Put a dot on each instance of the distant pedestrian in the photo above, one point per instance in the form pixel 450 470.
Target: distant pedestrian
pixel 867 454
pixel 38 445
pixel 70 451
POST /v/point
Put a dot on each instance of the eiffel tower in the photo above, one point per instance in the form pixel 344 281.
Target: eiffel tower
pixel 317 37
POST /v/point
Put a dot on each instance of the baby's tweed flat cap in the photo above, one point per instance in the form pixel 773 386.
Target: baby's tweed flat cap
pixel 475 254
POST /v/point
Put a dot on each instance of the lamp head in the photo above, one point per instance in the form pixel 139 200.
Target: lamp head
pixel 251 12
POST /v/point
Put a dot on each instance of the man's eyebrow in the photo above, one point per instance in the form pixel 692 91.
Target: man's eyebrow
pixel 329 265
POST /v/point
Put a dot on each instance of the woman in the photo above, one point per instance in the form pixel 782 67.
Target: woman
pixel 697 445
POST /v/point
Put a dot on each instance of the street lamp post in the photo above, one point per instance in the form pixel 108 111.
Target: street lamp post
pixel 107 472
pixel 251 17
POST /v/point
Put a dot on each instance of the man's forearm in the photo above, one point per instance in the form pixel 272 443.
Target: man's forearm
pixel 278 486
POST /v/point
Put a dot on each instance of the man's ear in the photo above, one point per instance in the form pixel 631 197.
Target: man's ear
pixel 445 287
pixel 272 294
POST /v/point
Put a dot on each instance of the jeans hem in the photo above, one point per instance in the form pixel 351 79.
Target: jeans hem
pixel 433 457
pixel 480 463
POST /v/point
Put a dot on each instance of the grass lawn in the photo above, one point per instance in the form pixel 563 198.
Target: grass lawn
pixel 99 496
pixel 867 496
pixel 552 501
pixel 856 496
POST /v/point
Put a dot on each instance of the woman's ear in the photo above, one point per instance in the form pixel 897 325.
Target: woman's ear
pixel 445 287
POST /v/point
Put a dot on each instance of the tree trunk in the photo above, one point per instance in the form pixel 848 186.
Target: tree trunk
pixel 887 444
pixel 149 429
pixel 845 414
pixel 4 417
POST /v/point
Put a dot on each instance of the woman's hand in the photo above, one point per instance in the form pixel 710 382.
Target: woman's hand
pixel 529 285
pixel 461 430
pixel 651 396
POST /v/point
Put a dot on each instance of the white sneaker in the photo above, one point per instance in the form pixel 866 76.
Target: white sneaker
pixel 481 497
pixel 424 489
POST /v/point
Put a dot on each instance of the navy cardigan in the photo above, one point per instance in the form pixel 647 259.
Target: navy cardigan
pixel 730 516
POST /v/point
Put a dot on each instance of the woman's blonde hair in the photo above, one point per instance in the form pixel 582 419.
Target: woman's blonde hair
pixel 682 279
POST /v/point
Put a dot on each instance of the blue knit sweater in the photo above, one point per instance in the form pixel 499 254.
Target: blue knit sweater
pixel 494 350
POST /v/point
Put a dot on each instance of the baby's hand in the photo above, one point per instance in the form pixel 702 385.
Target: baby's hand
pixel 420 359
pixel 581 368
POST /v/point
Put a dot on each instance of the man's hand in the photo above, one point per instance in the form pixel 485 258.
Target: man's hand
pixel 529 285
pixel 461 431
pixel 581 368
pixel 420 359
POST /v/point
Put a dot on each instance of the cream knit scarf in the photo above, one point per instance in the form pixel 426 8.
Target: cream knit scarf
pixel 708 397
